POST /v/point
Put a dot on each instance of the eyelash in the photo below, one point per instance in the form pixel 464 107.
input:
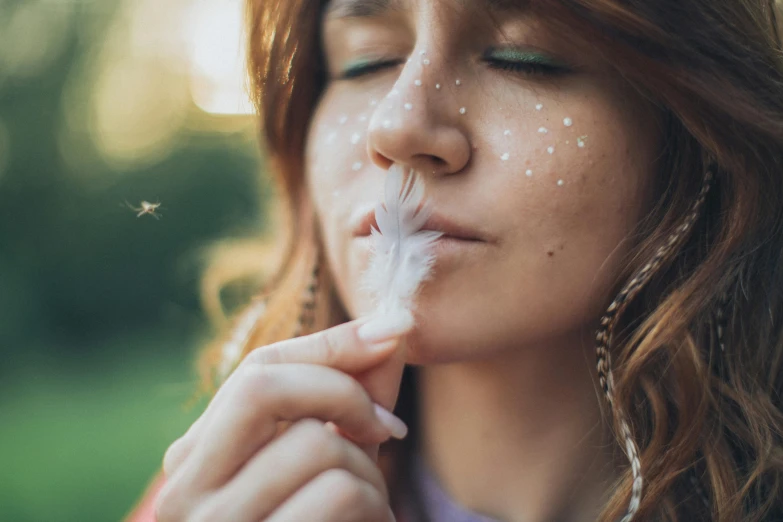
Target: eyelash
pixel 529 68
pixel 364 70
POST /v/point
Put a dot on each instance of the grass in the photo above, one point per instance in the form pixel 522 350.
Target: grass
pixel 80 445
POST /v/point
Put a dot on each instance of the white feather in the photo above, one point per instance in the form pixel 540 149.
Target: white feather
pixel 401 257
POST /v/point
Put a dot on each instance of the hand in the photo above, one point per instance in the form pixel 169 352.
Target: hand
pixel 233 464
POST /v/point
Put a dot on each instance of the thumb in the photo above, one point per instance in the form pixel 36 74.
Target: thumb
pixel 383 385
pixel 382 382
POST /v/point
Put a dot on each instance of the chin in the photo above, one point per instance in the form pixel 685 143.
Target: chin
pixel 429 346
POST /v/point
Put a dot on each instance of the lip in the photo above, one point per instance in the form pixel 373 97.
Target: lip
pixel 451 228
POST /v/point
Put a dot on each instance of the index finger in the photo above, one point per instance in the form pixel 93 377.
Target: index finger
pixel 350 347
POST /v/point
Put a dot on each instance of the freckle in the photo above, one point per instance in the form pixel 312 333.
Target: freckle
pixel 459 82
pixel 539 107
pixel 437 86
pixel 343 119
pixel 463 110
pixel 551 150
pixel 568 122
pixel 357 166
pixel 408 106
pixel 550 253
pixel 560 183
pixel 355 137
pixel 542 130
pixel 417 83
pixel 425 61
pixel 528 173
pixel 505 156
pixel 507 133
pixel 387 124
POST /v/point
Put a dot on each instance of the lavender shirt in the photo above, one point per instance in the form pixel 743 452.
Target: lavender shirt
pixel 439 506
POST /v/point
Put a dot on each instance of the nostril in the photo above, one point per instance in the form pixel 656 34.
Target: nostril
pixel 429 162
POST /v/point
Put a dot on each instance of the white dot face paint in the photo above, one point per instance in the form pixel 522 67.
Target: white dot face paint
pixel 408 106
pixel 463 110
pixel 560 183
pixel 542 130
pixel 394 92
pixel 363 118
pixel 425 61
pixel 437 86
pixel 568 122
pixel 373 103
pixel 580 141
pixel 417 83
pixel 510 176
pixel 458 82
pixel 550 150
pixel 331 137
pixel 343 119
pixel 355 138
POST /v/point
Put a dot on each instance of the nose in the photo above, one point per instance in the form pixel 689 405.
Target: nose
pixel 419 125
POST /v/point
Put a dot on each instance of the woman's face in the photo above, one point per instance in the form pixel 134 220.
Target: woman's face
pixel 520 136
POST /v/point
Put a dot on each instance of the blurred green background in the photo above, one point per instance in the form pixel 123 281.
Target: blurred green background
pixel 103 103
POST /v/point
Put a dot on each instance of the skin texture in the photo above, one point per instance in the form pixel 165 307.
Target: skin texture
pixel 555 237
pixel 504 328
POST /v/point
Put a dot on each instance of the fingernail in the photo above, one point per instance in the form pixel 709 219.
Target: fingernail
pixel 384 328
pixel 394 424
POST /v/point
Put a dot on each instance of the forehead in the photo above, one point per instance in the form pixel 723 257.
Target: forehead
pixel 373 8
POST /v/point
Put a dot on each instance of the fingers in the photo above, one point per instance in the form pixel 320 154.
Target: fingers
pixel 339 347
pixel 265 395
pixel 335 496
pixel 294 459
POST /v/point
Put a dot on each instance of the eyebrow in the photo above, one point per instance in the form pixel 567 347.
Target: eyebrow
pixel 377 8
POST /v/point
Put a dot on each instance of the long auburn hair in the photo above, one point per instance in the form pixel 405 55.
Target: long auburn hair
pixel 705 409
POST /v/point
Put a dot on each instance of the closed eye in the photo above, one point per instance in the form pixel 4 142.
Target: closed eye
pixel 528 68
pixel 529 63
pixel 367 68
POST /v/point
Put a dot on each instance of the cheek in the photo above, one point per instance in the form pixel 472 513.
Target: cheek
pixel 568 198
pixel 337 166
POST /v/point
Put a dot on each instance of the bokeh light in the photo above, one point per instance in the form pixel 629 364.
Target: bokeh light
pixel 217 47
